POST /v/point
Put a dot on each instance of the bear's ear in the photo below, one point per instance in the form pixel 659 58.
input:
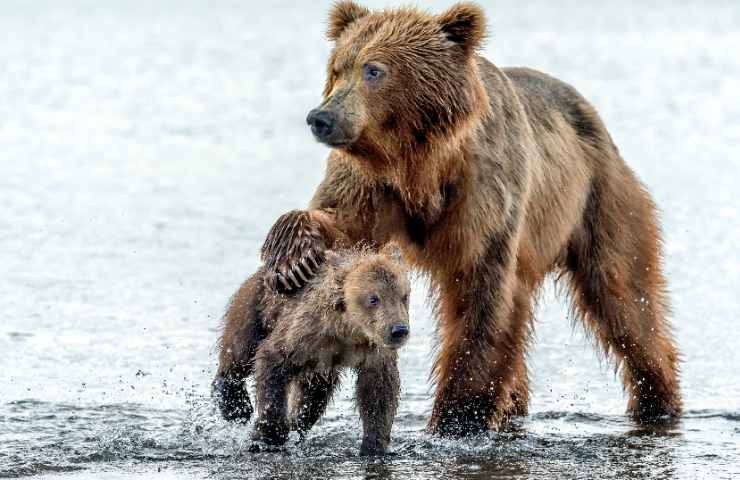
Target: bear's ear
pixel 341 15
pixel 465 25
pixel 334 259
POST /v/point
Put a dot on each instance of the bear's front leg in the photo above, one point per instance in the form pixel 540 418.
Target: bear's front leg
pixel 484 325
pixel 294 248
pixel 378 387
pixel 272 377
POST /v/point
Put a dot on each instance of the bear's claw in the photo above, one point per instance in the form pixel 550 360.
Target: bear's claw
pixel 292 251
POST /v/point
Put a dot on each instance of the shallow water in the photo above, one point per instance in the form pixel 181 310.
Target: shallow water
pixel 147 148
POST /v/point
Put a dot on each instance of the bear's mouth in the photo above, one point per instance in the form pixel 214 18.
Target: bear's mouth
pixel 396 343
pixel 330 127
pixel 338 139
pixel 337 143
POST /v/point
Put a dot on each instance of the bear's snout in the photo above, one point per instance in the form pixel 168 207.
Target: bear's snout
pixel 323 123
pixel 399 333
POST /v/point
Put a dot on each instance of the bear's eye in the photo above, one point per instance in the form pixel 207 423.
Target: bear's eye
pixel 373 301
pixel 405 300
pixel 372 73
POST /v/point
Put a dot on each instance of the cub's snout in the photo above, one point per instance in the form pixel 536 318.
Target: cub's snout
pixel 398 335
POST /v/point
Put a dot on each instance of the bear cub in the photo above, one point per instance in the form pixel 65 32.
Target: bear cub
pixel 352 314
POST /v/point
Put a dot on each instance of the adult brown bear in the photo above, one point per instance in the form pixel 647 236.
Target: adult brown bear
pixel 490 179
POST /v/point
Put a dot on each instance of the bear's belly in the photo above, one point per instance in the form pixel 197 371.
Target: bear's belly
pixel 338 356
pixel 333 356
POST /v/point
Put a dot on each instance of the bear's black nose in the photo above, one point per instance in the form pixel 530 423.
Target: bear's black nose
pixel 399 331
pixel 322 123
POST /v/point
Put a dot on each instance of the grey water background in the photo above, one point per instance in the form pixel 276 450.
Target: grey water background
pixel 146 148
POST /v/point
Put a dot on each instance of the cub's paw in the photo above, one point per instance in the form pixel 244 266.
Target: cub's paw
pixel 232 398
pixel 293 251
pixel 372 447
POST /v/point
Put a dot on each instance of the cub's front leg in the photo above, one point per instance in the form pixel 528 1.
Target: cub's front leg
pixel 273 376
pixel 310 396
pixel 378 388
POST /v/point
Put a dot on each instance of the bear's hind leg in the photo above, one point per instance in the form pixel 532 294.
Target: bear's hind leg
pixel 309 398
pixel 619 292
pixel 242 333
pixel 232 397
pixel 273 376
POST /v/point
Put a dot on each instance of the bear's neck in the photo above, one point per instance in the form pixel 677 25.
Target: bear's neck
pixel 443 158
pixel 418 172
pixel 421 177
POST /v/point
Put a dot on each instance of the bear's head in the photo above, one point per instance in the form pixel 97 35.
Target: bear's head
pixel 400 82
pixel 372 296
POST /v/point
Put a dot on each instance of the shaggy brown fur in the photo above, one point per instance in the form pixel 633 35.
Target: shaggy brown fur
pixel 490 179
pixel 353 313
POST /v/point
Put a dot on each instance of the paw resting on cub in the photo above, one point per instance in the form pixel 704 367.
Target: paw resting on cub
pixel 293 251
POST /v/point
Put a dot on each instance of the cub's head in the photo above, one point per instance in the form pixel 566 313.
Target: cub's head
pixel 373 296
pixel 399 80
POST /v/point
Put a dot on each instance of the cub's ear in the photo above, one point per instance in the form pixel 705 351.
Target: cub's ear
pixel 337 263
pixel 341 15
pixel 464 24
pixel 392 251
pixel 334 259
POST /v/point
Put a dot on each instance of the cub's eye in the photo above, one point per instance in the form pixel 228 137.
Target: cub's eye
pixel 372 73
pixel 405 299
pixel 373 301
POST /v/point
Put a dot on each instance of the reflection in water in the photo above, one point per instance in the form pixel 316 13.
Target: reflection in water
pixel 378 470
